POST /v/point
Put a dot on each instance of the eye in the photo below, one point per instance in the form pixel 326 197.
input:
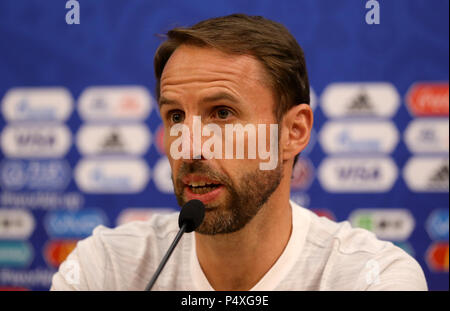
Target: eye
pixel 176 116
pixel 223 113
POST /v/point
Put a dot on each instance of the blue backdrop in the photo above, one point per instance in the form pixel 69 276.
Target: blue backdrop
pixel 80 134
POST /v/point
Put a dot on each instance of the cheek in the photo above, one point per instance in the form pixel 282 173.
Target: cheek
pixel 236 169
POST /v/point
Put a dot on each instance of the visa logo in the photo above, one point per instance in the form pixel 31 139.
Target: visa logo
pixel 36 140
pixel 357 174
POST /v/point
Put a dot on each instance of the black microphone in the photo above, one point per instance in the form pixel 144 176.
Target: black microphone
pixel 191 216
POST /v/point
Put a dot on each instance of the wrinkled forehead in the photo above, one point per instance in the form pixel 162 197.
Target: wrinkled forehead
pixel 193 63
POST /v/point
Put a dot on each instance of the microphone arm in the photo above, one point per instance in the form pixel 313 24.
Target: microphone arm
pixel 190 217
pixel 166 257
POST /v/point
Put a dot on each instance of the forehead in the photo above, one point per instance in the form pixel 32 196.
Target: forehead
pixel 190 64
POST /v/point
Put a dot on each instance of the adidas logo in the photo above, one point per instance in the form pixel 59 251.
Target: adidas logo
pixel 362 104
pixel 113 143
pixel 440 178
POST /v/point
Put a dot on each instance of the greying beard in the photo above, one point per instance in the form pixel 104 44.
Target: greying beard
pixel 243 201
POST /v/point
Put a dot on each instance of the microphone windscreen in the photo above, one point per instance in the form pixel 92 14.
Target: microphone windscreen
pixel 192 214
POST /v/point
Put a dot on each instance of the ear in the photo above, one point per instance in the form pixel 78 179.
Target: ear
pixel 296 130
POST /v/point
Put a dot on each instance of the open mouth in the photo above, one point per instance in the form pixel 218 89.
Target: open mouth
pixel 202 187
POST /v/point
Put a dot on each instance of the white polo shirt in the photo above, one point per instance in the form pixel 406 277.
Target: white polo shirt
pixel 320 255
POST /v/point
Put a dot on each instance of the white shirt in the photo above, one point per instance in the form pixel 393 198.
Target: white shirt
pixel 320 255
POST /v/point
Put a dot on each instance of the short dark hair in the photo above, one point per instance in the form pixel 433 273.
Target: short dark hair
pixel 268 41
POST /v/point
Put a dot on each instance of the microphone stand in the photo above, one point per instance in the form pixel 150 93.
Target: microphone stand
pixel 166 257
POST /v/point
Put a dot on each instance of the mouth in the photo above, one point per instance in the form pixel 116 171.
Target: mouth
pixel 201 188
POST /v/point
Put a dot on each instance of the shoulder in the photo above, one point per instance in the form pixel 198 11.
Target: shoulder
pixel 355 259
pixel 159 226
pixel 112 257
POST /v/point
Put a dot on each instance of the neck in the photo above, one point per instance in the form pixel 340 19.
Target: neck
pixel 228 260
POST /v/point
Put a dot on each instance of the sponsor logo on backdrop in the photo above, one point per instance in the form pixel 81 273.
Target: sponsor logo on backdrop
pixel 36 140
pixel 127 103
pixel 140 214
pixel 42 200
pixel 427 174
pixel 428 136
pixel 360 100
pixel 437 224
pixel 15 254
pixel 302 174
pixel 359 136
pixel 428 99
pixel 27 278
pixel 34 175
pixel 131 139
pixel 387 224
pixel 56 251
pixel 74 224
pixel 162 176
pixel 437 257
pixel 16 224
pixel 37 104
pixel 357 174
pixel 112 175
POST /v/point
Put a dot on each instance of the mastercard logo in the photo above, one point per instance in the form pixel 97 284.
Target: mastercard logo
pixel 55 252
pixel 437 257
pixel 428 99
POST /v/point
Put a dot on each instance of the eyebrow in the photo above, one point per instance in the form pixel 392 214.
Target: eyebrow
pixel 165 101
pixel 213 98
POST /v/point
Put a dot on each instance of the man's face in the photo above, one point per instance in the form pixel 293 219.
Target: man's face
pixel 221 89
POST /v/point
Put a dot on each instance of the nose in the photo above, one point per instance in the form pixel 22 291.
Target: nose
pixel 195 137
pixel 191 139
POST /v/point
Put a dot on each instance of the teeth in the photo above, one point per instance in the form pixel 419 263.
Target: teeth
pixel 202 190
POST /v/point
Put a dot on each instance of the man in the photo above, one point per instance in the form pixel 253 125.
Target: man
pixel 237 70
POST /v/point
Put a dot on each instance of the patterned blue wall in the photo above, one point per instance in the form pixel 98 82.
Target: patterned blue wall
pixel 379 155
